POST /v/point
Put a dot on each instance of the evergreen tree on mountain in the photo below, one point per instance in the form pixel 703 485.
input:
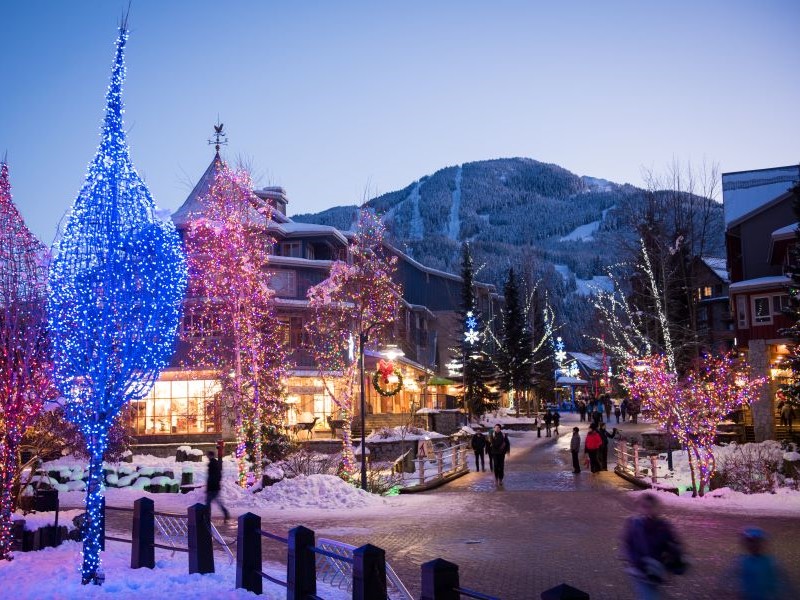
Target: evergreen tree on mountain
pixel 514 356
pixel 478 371
pixel 791 391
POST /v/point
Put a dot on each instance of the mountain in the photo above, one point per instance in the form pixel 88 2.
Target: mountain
pixel 551 225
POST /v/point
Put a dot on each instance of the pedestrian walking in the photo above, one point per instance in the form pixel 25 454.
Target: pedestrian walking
pixel 651 548
pixel 787 415
pixel 489 439
pixel 214 483
pixel 623 407
pixel 479 447
pixel 605 436
pixel 756 575
pixel 582 409
pixel 592 448
pixel 574 448
pixel 607 406
pixel 499 449
pixel 548 421
pixel 617 412
pixel 597 418
pixel 556 421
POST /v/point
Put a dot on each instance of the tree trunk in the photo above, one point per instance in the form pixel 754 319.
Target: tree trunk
pixel 94 525
pixel 8 470
pixel 691 470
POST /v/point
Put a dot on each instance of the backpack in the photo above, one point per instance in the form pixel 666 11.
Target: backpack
pixel 593 441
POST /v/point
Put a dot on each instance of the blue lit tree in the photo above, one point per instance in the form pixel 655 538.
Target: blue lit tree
pixel 116 287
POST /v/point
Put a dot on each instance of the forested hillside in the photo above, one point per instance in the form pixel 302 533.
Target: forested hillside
pixel 548 223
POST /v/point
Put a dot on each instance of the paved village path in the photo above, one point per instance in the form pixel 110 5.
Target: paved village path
pixel 546 526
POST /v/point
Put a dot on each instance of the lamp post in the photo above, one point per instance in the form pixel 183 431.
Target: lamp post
pixel 392 352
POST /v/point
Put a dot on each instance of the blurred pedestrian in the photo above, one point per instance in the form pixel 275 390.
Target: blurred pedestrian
pixel 499 449
pixel 607 407
pixel 617 412
pixel 592 447
pixel 574 448
pixel 556 421
pixel 479 447
pixel 605 436
pixel 548 421
pixel 787 415
pixel 756 575
pixel 623 408
pixel 651 548
pixel 214 484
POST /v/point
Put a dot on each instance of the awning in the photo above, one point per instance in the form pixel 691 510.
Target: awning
pixel 436 380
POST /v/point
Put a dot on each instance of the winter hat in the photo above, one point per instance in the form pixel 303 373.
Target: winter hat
pixel 754 533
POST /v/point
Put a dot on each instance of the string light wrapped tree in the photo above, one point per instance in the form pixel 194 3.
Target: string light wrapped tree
pixel 116 286
pixel 357 302
pixel 235 331
pixel 692 406
pixel 24 354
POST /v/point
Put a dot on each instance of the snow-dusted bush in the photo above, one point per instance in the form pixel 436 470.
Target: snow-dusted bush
pixel 303 462
pixel 751 468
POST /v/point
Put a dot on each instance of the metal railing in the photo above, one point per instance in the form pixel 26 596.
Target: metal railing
pixel 443 463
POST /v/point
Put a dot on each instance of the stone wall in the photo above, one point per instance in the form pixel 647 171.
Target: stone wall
pixel 446 422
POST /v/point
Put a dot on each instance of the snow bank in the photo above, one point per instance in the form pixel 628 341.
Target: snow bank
pixel 784 502
pixel 34 521
pixel 318 491
pixel 54 573
pixel 396 434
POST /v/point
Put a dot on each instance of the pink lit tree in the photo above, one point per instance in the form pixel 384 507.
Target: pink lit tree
pixel 357 303
pixel 692 406
pixel 24 360
pixel 231 323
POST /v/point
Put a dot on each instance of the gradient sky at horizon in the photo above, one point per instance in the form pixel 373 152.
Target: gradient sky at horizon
pixel 334 100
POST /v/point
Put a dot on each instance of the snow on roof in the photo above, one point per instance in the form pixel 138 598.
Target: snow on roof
pixel 306 229
pixel 785 233
pixel 746 191
pixel 761 282
pixel 595 363
pixel 718 265
pixel 564 380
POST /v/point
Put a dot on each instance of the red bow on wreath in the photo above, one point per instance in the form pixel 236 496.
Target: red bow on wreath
pixel 385 368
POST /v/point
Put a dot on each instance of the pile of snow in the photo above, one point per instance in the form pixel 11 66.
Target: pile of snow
pixel 318 491
pixel 55 573
pixel 465 430
pixel 396 434
pixel 784 502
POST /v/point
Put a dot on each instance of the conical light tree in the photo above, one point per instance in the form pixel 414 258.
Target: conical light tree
pixel 24 356
pixel 116 287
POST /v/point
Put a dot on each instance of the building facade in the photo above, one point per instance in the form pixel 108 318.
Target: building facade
pixel 184 405
pixel 759 231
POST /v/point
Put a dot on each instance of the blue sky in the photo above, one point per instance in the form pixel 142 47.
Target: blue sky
pixel 332 99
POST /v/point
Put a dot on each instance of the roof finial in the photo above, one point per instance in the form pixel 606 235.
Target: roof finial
pixel 220 139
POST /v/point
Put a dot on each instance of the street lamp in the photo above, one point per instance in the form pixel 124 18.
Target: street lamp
pixel 392 352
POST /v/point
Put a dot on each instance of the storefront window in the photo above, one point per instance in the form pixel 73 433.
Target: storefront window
pixel 176 407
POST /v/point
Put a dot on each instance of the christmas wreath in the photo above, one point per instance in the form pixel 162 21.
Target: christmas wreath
pixel 381 376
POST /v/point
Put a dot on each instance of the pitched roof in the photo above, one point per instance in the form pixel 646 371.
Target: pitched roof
pixel 193 203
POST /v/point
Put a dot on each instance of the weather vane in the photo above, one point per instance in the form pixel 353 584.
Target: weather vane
pixel 220 139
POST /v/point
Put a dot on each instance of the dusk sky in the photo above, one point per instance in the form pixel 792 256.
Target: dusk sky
pixel 335 99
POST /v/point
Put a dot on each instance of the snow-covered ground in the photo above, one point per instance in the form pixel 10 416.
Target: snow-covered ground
pixel 585 233
pixel 586 287
pixel 415 226
pixel 24 579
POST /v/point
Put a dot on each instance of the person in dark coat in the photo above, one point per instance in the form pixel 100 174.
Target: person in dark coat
pixel 605 436
pixel 499 448
pixel 651 548
pixel 548 421
pixel 607 406
pixel 479 446
pixel 617 412
pixel 489 439
pixel 582 409
pixel 213 484
pixel 556 421
pixel 592 447
pixel 623 407
pixel 787 415
pixel 575 448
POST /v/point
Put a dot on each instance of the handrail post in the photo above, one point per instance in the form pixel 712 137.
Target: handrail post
pixel 301 566
pixel 248 553
pixel 439 462
pixel 439 580
pixel 654 467
pixel 143 532
pixel 201 550
pixel 421 470
pixel 635 459
pixel 464 453
pixel 369 573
